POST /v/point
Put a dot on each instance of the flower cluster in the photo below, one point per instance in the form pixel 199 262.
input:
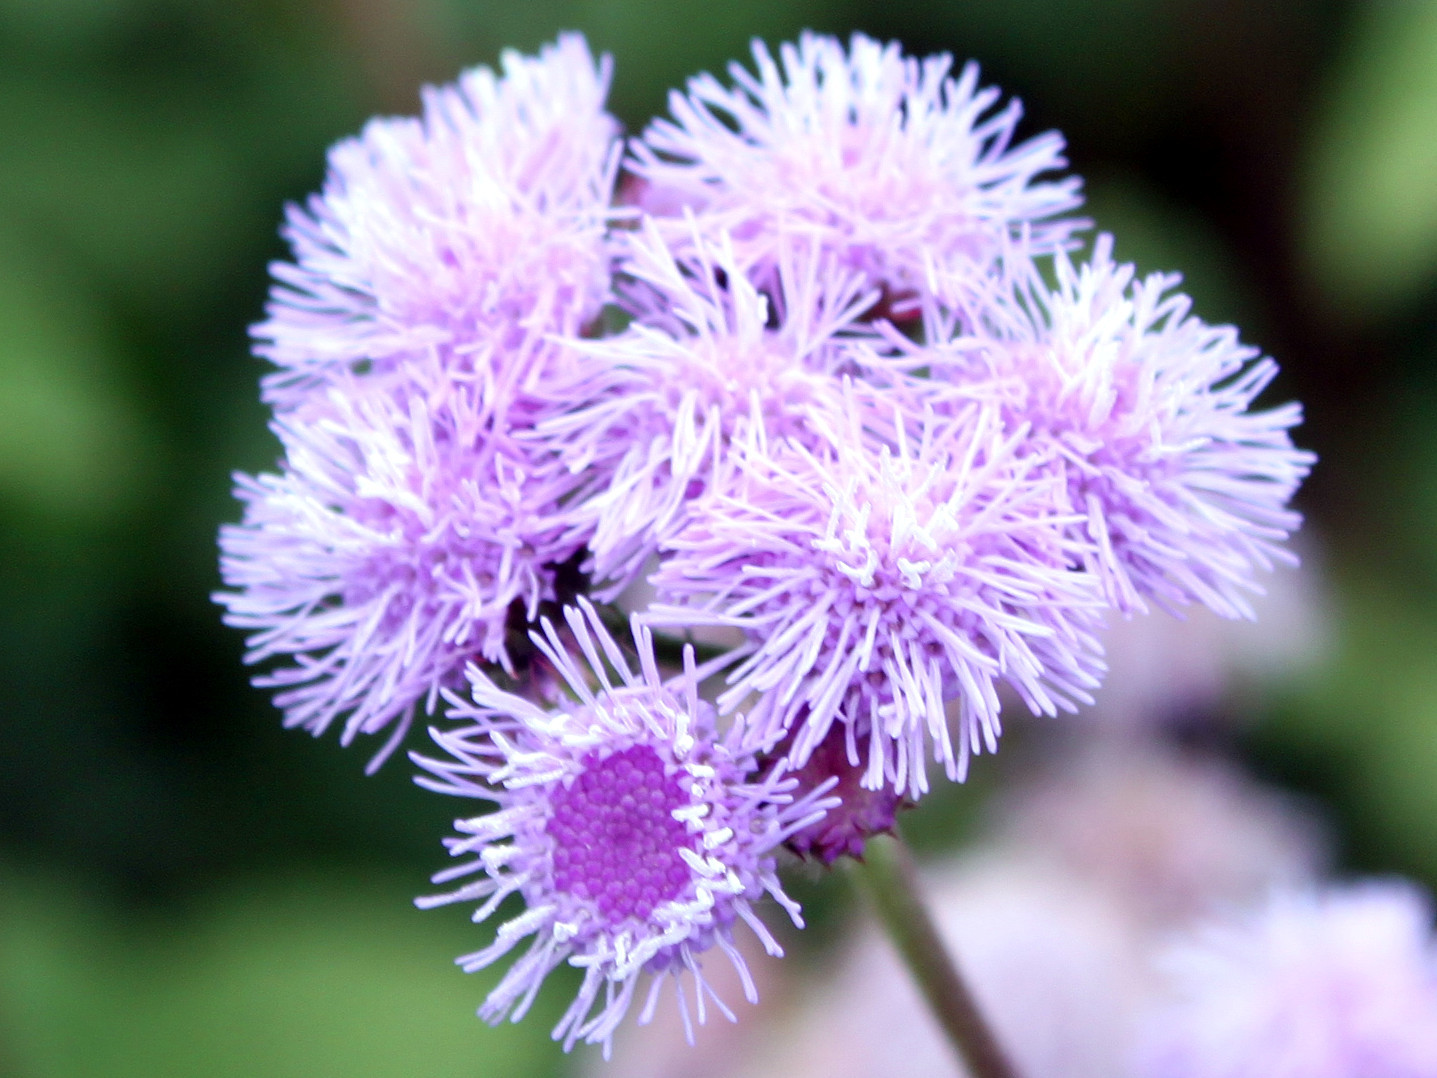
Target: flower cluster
pixel 819 361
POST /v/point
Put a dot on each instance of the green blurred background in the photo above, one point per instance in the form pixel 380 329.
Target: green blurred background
pixel 185 889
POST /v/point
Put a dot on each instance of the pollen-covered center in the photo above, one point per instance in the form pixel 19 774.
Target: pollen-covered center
pixel 616 841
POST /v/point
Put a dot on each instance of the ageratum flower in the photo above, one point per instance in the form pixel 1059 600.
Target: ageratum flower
pixel 886 162
pixel 1339 983
pixel 878 585
pixel 637 835
pixel 390 550
pixel 483 219
pixel 1147 414
pixel 708 359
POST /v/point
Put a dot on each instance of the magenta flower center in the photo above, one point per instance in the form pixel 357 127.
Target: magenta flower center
pixel 616 842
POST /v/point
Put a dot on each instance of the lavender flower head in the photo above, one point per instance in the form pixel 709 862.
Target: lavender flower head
pixel 484 218
pixel 637 835
pixel 878 585
pixel 887 162
pixel 389 551
pixel 1334 984
pixel 1146 412
pixel 414 513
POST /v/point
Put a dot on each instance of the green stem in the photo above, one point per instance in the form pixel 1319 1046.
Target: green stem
pixel 889 879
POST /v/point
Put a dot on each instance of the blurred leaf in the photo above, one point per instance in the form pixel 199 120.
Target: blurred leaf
pixel 307 977
pixel 144 197
pixel 73 442
pixel 1370 198
pixel 1372 713
pixel 64 23
pixel 157 138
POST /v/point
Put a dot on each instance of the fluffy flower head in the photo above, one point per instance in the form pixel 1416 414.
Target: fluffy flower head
pixel 483 218
pixel 635 833
pixel 887 162
pixel 878 584
pixel 1146 412
pixel 389 550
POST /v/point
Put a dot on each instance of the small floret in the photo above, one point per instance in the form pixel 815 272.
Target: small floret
pixel 637 835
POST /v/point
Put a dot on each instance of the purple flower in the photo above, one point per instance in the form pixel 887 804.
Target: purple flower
pixel 1334 984
pixel 1146 413
pixel 878 585
pixel 390 550
pixel 637 835
pixel 886 162
pixel 709 359
pixel 482 220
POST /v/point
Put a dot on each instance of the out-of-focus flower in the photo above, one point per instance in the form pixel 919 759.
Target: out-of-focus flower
pixel 1167 836
pixel 637 835
pixel 877 586
pixel 471 226
pixel 1145 411
pixel 1197 672
pixel 1054 919
pixel 390 550
pixel 1056 970
pixel 886 162
pixel 1340 983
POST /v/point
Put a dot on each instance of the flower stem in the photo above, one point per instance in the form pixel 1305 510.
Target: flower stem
pixel 889 879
